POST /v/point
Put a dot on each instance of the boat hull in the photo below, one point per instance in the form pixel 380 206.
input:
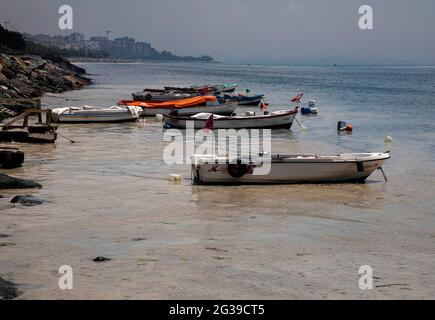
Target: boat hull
pixel 93 116
pixel 244 100
pixel 230 88
pixel 280 120
pixel 160 97
pixel 222 109
pixel 291 172
pixel 250 102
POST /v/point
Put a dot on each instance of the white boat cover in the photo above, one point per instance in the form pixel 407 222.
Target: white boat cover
pixel 135 111
pixel 206 115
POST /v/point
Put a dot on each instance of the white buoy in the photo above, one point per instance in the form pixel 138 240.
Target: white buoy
pixel 174 177
pixel 159 117
pixel 388 138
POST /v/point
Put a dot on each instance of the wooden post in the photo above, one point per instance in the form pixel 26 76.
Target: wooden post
pixel 48 117
pixel 26 121
pixel 38 106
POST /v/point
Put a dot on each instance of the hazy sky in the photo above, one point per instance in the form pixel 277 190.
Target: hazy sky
pixel 249 30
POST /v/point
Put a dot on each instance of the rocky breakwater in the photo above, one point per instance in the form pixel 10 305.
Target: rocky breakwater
pixel 25 77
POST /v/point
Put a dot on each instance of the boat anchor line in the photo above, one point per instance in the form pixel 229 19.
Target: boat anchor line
pixel 70 140
pixel 360 168
pixel 300 125
pixel 383 174
pixel 382 170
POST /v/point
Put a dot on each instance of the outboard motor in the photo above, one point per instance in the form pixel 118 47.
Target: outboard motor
pixel 341 125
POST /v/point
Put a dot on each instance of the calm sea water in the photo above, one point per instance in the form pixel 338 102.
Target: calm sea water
pixel 376 100
pixel 111 186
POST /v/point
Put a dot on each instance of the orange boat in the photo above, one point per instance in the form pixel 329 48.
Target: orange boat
pixel 188 102
pixel 188 106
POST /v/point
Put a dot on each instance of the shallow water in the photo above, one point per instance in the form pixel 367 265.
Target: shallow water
pixel 300 241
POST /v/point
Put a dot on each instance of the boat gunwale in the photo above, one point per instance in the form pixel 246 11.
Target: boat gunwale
pixel 71 121
pixel 189 118
pixel 293 160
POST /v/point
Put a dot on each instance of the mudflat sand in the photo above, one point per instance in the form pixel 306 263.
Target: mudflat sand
pixel 108 195
pixel 170 241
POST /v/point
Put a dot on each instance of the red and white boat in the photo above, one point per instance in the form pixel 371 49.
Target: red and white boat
pixel 273 120
pixel 287 169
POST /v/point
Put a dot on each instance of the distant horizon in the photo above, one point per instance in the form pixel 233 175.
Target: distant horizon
pixel 265 63
pixel 326 64
pixel 271 62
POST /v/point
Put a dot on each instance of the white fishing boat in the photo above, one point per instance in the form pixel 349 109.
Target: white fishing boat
pixel 287 169
pixel 97 114
pixel 276 119
pixel 222 108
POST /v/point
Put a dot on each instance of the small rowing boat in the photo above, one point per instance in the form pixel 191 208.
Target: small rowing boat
pixel 97 114
pixel 151 96
pixel 245 99
pixel 205 89
pixel 287 169
pixel 184 89
pixel 227 87
pixel 273 120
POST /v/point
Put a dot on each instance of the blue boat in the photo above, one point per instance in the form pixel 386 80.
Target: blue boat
pixel 242 99
pixel 309 110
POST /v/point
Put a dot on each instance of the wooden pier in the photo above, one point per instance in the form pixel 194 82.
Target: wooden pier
pixel 32 124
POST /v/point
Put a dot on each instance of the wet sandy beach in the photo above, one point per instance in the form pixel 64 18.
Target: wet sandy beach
pixel 108 195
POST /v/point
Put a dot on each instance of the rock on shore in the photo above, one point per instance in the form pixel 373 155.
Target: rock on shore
pixel 27 200
pixel 8 290
pixel 29 76
pixel 8 182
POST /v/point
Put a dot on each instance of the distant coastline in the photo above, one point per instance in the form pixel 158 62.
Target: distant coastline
pixel 75 45
pixel 123 60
